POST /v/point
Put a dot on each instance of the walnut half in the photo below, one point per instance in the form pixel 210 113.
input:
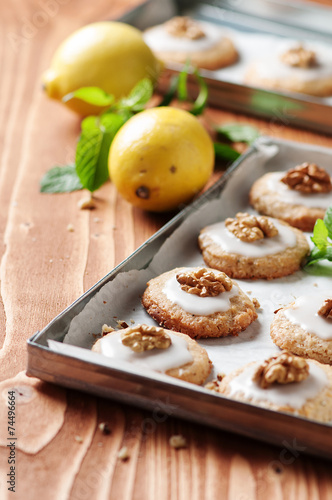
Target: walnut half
pixel 308 178
pixel 299 57
pixel 184 27
pixel 326 309
pixel 204 283
pixel 281 369
pixel 145 337
pixel 250 228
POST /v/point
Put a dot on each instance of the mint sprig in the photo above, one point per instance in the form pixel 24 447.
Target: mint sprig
pixel 93 148
pixel 237 132
pixel 60 180
pixel 91 95
pixel 322 239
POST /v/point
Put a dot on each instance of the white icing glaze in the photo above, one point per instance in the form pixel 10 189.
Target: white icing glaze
pixel 304 313
pixel 194 304
pixel 315 200
pixel 229 243
pixel 160 360
pixel 160 40
pixel 272 67
pixel 294 394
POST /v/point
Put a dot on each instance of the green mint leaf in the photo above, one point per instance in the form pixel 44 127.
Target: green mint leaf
pixel 315 256
pixel 93 149
pixel 138 97
pixel 328 221
pixel 91 95
pixel 182 90
pixel 202 98
pixel 170 94
pixel 320 234
pixel 60 180
pixel 235 132
pixel 225 152
pixel 328 254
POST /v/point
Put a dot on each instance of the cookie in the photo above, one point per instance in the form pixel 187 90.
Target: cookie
pixel 151 347
pixel 199 302
pixel 299 196
pixel 295 68
pixel 309 395
pixel 249 247
pixel 303 330
pixel 183 39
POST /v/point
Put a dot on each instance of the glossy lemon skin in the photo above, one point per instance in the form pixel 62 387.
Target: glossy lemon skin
pixel 110 55
pixel 161 158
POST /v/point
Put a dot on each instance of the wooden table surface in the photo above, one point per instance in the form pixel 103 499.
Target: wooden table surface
pixel 60 451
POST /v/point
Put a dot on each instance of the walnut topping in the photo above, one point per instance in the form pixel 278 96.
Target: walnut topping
pixel 184 27
pixel 281 369
pixel 250 228
pixel 204 283
pixel 144 338
pixel 308 178
pixel 299 57
pixel 326 309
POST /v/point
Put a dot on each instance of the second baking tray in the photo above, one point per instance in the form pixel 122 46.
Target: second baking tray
pixel 275 21
pixel 61 353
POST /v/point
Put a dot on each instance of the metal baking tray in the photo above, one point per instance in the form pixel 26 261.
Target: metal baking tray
pixel 296 20
pixel 77 367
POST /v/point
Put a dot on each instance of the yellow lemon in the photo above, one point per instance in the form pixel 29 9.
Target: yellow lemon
pixel 161 158
pixel 110 55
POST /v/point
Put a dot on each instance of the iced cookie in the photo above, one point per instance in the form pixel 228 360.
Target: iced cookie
pixel 304 327
pixel 295 68
pixel 199 302
pixel 284 383
pixel 299 196
pixel 253 247
pixel 157 349
pixel 183 39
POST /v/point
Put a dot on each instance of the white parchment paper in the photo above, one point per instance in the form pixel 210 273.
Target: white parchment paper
pixel 120 298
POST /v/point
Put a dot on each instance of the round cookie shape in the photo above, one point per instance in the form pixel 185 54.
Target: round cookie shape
pixel 181 39
pixel 270 196
pixel 310 398
pixel 295 68
pixel 299 328
pixel 268 257
pixel 183 358
pixel 226 313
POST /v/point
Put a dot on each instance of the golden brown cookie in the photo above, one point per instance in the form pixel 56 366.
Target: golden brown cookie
pixel 294 68
pixel 164 351
pixel 250 247
pixel 199 302
pixel 295 204
pixel 308 396
pixel 183 39
pixel 300 328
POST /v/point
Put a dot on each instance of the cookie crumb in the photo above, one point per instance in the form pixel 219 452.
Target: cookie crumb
pixel 86 203
pixel 70 228
pixel 105 329
pixel 123 454
pixel 178 441
pixel 256 303
pixel 213 385
pixel 104 428
pixel 122 324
